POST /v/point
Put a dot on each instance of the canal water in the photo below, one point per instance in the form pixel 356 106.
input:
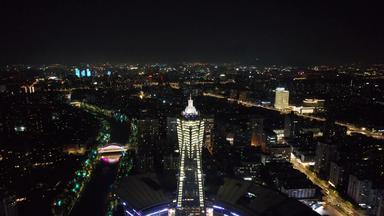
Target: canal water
pixel 94 199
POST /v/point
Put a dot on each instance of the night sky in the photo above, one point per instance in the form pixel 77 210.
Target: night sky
pixel 143 31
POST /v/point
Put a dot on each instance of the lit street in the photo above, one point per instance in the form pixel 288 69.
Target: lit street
pixel 336 204
pixel 350 127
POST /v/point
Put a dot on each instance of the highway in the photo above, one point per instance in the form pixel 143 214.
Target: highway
pixel 350 127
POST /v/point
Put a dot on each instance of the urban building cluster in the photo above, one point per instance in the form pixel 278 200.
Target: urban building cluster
pixel 192 138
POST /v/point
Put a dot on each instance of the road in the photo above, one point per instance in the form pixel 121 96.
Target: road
pixel 334 203
pixel 350 127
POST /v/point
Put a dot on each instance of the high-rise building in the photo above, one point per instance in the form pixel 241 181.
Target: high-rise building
pixel 270 139
pixel 171 134
pixel 190 133
pixel 359 189
pixel 148 138
pixel 325 153
pixel 257 131
pixel 337 176
pixel 368 193
pixel 148 133
pixel 8 205
pixel 209 135
pixel 291 127
pixel 281 98
pixel 380 206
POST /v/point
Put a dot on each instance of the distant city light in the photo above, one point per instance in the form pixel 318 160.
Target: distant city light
pixel 129 213
pixel 157 212
pixel 53 78
pixel 88 72
pixel 218 207
pixel 77 72
pixel 20 128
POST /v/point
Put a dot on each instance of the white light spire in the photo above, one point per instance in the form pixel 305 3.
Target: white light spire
pixel 190 186
pixel 190 109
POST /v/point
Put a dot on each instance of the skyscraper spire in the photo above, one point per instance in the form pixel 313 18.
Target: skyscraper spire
pixel 190 110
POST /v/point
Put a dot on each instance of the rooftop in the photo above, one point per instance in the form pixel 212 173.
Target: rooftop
pixel 190 110
pixel 146 193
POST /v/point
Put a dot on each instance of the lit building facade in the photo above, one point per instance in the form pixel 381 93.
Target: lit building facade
pixel 171 134
pixel 291 127
pixel 336 175
pixel 190 133
pixel 209 135
pixel 281 98
pixel 257 128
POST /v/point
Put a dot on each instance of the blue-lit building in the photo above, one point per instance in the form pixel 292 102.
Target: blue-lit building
pixel 77 72
pixel 83 73
pixel 88 71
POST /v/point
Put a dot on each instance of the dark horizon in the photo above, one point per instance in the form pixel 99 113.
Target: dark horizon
pixel 267 33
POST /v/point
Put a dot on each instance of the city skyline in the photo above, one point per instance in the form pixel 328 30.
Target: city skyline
pixel 203 108
pixel 74 135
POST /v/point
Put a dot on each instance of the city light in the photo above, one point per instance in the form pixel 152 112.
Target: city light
pixel 157 212
pixel 132 108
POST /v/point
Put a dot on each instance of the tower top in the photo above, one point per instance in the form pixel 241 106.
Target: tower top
pixel 190 110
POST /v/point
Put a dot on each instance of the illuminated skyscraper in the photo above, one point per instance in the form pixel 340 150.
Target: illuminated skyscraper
pixel 190 133
pixel 281 98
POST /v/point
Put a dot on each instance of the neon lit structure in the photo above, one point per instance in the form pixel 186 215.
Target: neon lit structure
pixel 190 132
pixel 88 72
pixel 111 153
pixel 112 148
pixel 77 72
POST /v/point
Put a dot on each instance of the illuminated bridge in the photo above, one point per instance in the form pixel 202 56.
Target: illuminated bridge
pixel 112 148
pixel 112 152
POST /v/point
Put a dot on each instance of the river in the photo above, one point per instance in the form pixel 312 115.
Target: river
pixel 94 198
